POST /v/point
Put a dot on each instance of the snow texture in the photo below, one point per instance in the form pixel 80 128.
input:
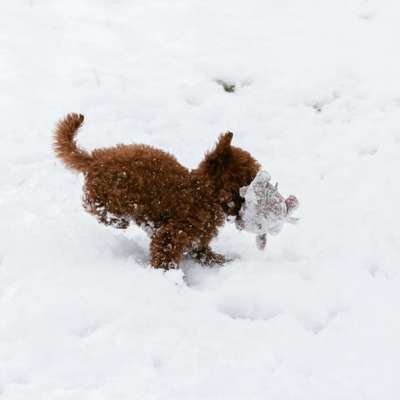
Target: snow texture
pixel 311 89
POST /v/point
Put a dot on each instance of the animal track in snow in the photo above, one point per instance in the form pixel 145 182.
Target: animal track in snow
pixel 230 86
pixel 247 313
pixel 312 323
pixel 87 329
pixel 319 105
pixel 368 150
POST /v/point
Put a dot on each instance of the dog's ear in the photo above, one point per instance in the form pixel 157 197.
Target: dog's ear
pixel 222 148
pixel 215 160
pixel 224 144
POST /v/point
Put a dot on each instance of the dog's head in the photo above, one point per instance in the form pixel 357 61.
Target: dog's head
pixel 229 168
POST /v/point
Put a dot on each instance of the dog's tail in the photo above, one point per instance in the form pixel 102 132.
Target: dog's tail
pixel 65 145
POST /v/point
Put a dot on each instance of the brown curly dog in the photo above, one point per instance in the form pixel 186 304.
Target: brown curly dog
pixel 180 209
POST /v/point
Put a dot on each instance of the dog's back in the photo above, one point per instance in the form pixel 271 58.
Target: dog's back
pixel 129 182
pixel 136 181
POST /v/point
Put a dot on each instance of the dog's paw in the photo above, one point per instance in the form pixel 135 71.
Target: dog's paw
pixel 209 258
pixel 219 259
pixel 231 257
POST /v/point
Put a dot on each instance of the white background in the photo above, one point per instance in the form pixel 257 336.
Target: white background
pixel 317 102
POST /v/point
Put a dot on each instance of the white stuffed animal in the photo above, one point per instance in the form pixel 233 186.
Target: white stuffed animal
pixel 264 209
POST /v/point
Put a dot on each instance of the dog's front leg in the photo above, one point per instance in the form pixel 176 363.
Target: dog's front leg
pixel 206 256
pixel 168 244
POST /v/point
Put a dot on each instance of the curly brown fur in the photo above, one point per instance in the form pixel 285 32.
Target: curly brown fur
pixel 65 145
pixel 180 209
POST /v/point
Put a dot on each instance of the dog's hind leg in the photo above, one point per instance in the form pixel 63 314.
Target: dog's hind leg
pixel 112 220
pixel 168 244
pixel 119 223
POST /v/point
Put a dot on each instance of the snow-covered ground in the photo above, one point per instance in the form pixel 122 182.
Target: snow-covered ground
pixel 317 102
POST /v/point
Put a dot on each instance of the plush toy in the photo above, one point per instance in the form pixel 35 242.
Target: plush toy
pixel 265 210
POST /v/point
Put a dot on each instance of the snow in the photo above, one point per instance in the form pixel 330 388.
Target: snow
pixel 316 100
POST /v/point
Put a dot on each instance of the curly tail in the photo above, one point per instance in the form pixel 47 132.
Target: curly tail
pixel 65 145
